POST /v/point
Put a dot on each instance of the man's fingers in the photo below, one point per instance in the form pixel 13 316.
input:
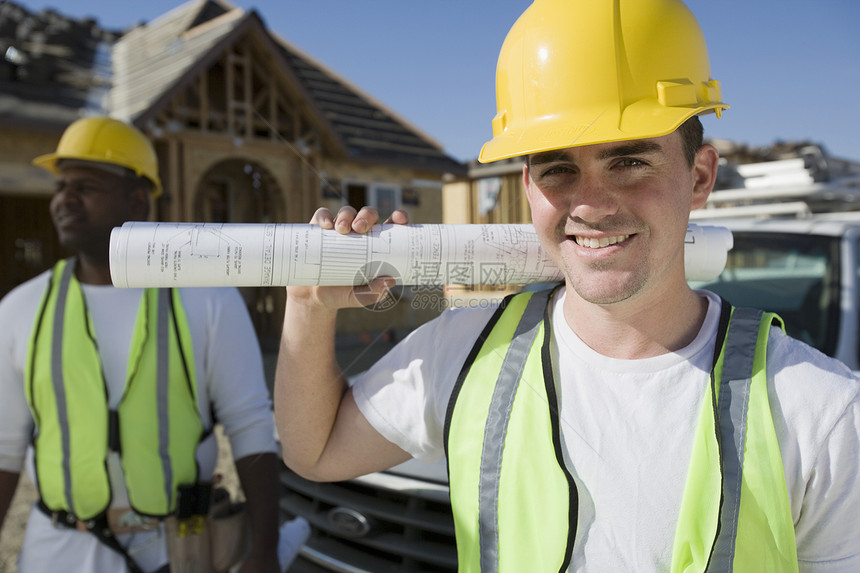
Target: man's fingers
pixel 323 218
pixel 398 217
pixel 349 220
pixel 345 217
pixel 366 218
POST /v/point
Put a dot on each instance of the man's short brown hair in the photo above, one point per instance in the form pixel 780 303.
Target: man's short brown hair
pixel 692 137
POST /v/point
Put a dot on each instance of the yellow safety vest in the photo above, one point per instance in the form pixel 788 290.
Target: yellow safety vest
pixel 156 427
pixel 515 503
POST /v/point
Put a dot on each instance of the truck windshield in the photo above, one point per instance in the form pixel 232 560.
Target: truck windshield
pixel 795 276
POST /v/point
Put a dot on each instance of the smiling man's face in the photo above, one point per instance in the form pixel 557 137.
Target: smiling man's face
pixel 613 216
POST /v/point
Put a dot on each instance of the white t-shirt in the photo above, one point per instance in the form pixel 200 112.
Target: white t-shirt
pixel 627 428
pixel 230 381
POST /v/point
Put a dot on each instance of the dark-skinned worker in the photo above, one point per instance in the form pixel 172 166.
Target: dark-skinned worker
pixel 109 396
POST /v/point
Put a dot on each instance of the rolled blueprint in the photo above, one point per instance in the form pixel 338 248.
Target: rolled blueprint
pixel 146 254
pixel 706 250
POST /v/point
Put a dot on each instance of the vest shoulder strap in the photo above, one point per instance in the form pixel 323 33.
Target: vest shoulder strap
pixel 470 359
pixel 506 398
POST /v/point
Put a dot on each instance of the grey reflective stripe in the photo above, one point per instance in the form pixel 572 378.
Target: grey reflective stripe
pixel 732 410
pixel 58 380
pixel 162 383
pixel 497 425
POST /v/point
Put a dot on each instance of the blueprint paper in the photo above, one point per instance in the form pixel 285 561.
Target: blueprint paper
pixel 144 254
pixel 209 254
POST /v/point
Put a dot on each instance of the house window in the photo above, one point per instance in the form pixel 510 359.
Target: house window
pixel 386 198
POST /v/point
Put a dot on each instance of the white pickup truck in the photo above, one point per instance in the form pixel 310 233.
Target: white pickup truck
pixel 806 270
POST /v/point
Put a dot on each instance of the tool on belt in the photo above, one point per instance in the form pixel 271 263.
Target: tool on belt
pixel 208 533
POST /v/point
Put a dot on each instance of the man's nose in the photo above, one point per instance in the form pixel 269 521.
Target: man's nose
pixel 593 200
pixel 65 196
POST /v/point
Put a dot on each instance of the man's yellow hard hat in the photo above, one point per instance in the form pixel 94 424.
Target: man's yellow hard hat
pixel 106 140
pixel 580 72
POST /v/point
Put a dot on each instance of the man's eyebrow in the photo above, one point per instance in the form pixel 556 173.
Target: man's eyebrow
pixel 545 157
pixel 631 148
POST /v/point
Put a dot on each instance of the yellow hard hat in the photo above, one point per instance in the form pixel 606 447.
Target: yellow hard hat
pixel 580 72
pixel 106 140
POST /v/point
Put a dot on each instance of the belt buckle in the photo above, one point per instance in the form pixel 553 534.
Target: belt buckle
pixel 68 520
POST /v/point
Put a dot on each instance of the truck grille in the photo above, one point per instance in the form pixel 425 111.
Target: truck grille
pixel 379 523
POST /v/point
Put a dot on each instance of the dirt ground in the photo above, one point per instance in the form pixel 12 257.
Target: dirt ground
pixel 13 528
pixel 12 534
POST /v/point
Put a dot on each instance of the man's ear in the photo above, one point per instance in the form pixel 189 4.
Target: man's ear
pixel 704 174
pixel 526 185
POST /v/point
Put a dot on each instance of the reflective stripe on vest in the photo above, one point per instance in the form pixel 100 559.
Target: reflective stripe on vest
pixel 738 519
pixel 504 389
pixel 743 515
pixel 157 422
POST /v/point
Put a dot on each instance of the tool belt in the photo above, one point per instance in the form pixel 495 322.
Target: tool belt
pixel 207 534
pixel 119 520
pixel 102 526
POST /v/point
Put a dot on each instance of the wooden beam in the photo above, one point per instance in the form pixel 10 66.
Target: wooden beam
pixel 274 129
pixel 204 101
pixel 248 99
pixel 261 97
pixel 230 94
pixel 174 164
pixel 188 188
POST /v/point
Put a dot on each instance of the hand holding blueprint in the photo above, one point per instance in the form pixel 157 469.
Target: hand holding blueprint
pixel 146 254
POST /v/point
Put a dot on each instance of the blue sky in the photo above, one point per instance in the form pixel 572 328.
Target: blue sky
pixel 789 68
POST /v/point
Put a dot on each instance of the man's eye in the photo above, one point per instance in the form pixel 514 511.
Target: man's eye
pixel 87 188
pixel 555 170
pixel 631 162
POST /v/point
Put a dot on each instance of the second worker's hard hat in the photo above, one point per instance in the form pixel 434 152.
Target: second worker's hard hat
pixel 580 72
pixel 106 140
